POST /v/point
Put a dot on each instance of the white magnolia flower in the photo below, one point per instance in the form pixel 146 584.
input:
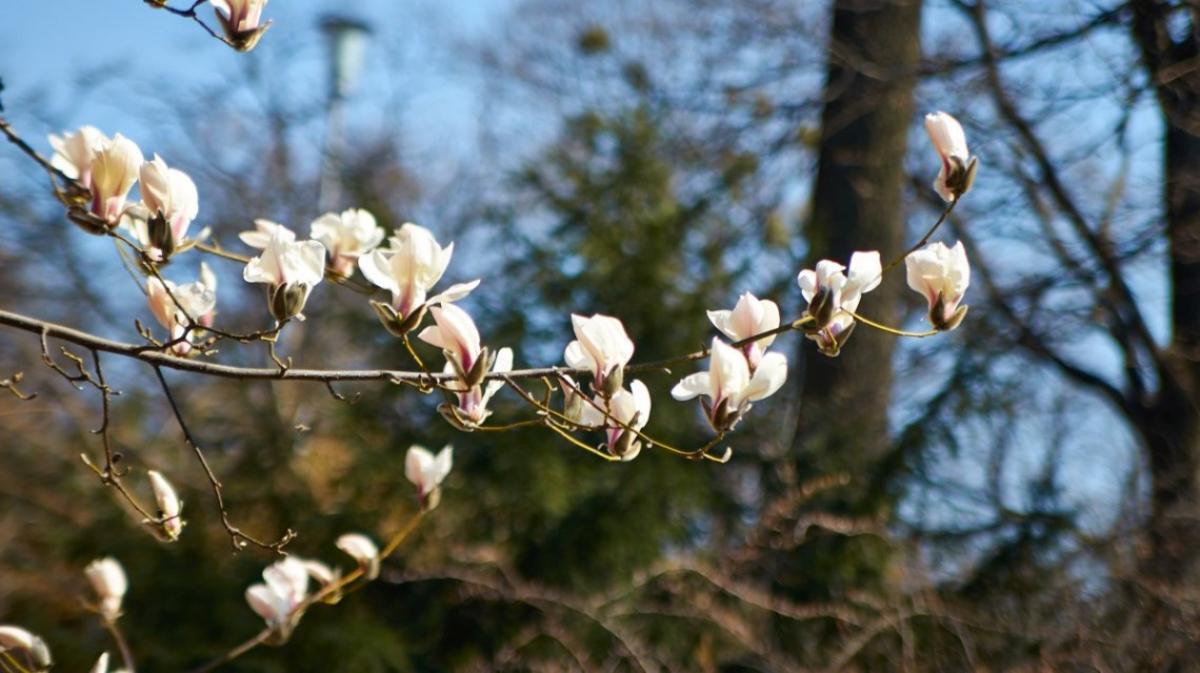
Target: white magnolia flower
pixel 347 237
pixel 170 509
pixel 320 572
pixel 191 300
pixel 264 231
pixel 110 584
pixel 170 198
pixel 941 275
pixel 115 167
pixel 455 333
pixel 749 316
pixel 285 588
pixel 426 471
pixel 291 269
pixel 409 268
pixel 242 21
pixel 75 152
pixel 730 386
pixel 361 549
pixel 16 639
pixel 601 347
pixel 472 408
pixel 833 293
pixel 627 408
pixel 958 166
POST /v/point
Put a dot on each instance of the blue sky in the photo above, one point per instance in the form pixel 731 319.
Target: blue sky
pixel 58 44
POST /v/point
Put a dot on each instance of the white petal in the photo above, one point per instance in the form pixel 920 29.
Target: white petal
pixel 417 463
pixel 768 378
pixel 265 603
pixel 691 386
pixel 453 293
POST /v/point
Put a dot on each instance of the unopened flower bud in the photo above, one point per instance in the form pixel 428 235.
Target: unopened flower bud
pixel 943 323
pixel 482 366
pixel 287 300
pixel 625 445
pixel 161 236
pixel 110 584
pixel 614 380
pixel 821 307
pixel 572 401
pixel 169 506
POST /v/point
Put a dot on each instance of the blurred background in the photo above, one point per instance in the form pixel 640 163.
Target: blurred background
pixel 1019 494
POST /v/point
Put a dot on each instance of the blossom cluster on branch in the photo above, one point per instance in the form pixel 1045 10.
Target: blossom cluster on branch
pixel 592 392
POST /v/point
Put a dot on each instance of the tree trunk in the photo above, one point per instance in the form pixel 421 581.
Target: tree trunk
pixel 859 205
pixel 1170 426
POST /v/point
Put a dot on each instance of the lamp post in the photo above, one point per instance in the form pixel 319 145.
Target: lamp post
pixel 347 40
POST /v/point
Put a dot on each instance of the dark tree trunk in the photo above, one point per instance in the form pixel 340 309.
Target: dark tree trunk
pixel 858 204
pixel 1170 421
pixel 1170 424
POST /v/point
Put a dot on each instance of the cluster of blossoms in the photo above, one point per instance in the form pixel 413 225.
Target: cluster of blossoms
pixel 109 583
pixel 108 168
pixel 738 376
pixel 603 348
pixel 284 594
pixel 940 274
pixel 411 263
pixel 280 599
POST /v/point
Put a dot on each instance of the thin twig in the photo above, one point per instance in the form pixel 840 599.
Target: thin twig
pixel 237 537
pixel 122 644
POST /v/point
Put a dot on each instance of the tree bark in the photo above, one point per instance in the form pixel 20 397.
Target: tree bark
pixel 1170 425
pixel 859 205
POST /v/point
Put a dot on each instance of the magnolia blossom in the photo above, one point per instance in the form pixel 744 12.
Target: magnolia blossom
pixel 242 21
pixel 109 581
pixel 172 202
pixel 361 549
pixel 177 306
pixel 115 166
pixel 957 173
pixel 285 588
pixel 75 152
pixel 170 508
pixel 290 269
pixel 749 316
pixel 347 237
pixel 729 384
pixel 455 333
pixel 472 410
pixel 264 231
pixel 409 268
pixel 427 472
pixel 941 275
pixel 833 293
pixel 18 640
pixel 601 347
pixel 625 409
